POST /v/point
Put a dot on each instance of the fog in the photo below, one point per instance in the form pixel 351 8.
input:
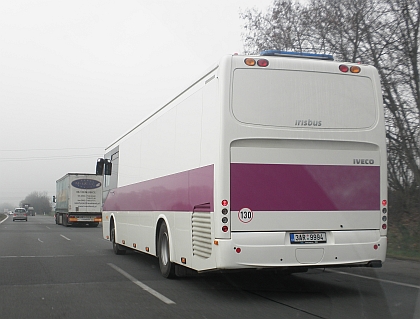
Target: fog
pixel 76 75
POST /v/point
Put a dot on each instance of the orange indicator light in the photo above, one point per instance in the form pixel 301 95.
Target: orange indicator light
pixel 249 61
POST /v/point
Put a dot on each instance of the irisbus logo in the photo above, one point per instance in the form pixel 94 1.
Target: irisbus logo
pixel 308 123
pixel 86 183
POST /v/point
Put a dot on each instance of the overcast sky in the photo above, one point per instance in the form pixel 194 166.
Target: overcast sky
pixel 76 75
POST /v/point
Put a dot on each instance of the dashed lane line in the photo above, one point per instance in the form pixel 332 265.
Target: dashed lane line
pixel 65 237
pixel 142 285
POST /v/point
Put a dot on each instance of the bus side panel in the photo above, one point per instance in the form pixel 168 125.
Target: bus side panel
pixel 166 169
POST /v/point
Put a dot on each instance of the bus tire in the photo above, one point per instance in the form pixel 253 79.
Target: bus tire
pixel 117 248
pixel 167 268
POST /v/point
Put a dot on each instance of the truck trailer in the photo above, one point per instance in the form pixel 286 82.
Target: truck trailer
pixel 78 200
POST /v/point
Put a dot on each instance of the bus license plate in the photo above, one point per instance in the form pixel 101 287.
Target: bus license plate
pixel 308 238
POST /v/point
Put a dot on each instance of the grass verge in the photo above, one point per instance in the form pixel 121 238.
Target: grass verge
pixel 404 237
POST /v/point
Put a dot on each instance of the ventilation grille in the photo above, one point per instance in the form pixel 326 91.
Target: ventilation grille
pixel 201 234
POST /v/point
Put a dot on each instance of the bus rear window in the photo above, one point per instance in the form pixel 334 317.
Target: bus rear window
pixel 289 98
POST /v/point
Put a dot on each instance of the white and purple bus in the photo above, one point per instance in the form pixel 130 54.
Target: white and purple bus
pixel 270 161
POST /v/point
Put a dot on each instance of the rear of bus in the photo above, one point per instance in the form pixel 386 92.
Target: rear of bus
pixel 306 164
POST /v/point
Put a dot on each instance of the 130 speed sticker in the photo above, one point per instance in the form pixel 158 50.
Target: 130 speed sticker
pixel 245 215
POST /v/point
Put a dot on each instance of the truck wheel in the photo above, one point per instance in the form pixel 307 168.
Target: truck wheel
pixel 167 268
pixel 65 220
pixel 117 248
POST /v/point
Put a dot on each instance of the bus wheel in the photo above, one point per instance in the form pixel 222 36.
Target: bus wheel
pixel 166 267
pixel 116 247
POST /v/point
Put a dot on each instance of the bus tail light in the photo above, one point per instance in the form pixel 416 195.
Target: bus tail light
pixel 262 62
pixel 353 69
pixel 384 211
pixel 225 229
pixel 344 68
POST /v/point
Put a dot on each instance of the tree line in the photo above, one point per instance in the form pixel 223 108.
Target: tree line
pixel 382 33
pixel 38 200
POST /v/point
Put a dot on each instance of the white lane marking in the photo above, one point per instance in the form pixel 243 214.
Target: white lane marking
pixel 376 279
pixel 40 240
pixel 7 216
pixel 47 227
pixel 142 285
pixel 65 237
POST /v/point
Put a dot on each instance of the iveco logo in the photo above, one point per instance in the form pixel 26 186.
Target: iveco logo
pixel 362 161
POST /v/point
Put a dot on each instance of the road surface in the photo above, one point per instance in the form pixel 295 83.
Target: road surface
pixel 51 271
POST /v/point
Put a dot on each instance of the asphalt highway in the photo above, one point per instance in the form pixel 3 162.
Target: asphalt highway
pixel 51 271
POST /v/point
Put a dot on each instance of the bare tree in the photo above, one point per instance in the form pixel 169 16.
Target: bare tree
pixel 384 33
pixel 39 201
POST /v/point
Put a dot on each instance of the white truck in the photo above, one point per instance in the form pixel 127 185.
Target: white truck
pixel 78 199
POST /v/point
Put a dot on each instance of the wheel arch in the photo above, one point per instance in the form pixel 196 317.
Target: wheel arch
pixel 162 219
pixel 112 225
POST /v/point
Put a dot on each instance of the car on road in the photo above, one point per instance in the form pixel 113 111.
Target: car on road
pixel 20 214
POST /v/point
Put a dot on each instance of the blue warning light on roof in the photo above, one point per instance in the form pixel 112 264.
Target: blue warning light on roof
pixel 297 54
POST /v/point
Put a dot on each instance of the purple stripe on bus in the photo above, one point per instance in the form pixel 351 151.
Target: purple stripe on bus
pixel 177 192
pixel 280 187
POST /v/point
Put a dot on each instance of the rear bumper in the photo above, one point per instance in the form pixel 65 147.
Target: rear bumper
pixel 263 250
